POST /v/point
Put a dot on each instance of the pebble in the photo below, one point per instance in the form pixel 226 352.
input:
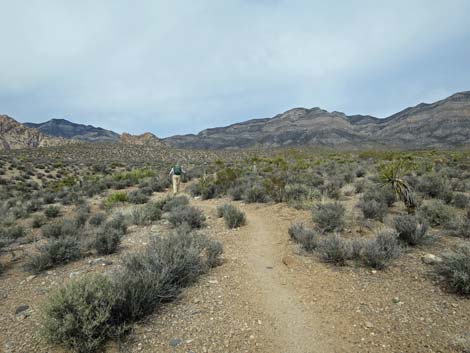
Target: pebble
pixel 100 261
pixel 430 259
pixel 369 324
pixel 21 309
pixel 30 278
pixel 175 342
pixel 74 274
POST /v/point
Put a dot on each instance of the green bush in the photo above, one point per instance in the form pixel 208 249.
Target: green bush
pixel 455 268
pixel 83 314
pixel 410 230
pixel 189 215
pixel 55 252
pixel 38 221
pixel 12 232
pixel 173 202
pixel 255 194
pixel 233 217
pixel 335 249
pixel 79 316
pixel 371 209
pixel 107 240
pixel 147 214
pixel 52 212
pixel 378 253
pixel 329 216
pixel 60 228
pixel 437 213
pixel 97 219
pixel 137 197
pixel 115 198
pixel 307 238
pixel 461 201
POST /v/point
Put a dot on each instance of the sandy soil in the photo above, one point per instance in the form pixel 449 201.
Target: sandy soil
pixel 267 296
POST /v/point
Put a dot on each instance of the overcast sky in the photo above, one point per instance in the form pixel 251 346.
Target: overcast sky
pixel 173 67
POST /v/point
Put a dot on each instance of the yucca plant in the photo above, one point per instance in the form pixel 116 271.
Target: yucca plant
pixel 391 173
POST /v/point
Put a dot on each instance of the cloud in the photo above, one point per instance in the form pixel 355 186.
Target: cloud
pixel 180 66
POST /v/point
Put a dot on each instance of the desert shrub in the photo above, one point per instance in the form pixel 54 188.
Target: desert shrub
pixel 379 252
pixel 360 172
pixel 372 209
pixel 380 194
pixel 329 216
pixel 296 192
pixel 52 212
pixel 12 232
pixel 79 315
pixel 147 214
pixel 34 205
pixel 461 200
pixel 118 222
pixel 55 252
pixel 137 197
pixel 187 215
pixel 97 219
pixel 460 226
pixel 236 192
pixel 437 213
pixel 432 185
pixel 332 189
pixel 410 230
pixel 255 194
pixel 81 216
pixel 159 185
pixel 115 198
pixel 335 249
pixel 64 227
pixel 174 202
pixel 38 221
pixel 233 217
pixel 307 238
pixel 455 268
pixel 107 240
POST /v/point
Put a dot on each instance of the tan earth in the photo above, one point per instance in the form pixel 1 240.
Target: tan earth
pixel 267 296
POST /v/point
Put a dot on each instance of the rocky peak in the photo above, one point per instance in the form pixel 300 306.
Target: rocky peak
pixel 146 138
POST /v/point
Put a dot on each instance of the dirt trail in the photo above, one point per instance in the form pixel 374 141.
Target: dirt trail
pixel 291 326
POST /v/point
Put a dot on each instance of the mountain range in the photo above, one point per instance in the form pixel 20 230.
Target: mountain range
pixel 66 129
pixel 443 124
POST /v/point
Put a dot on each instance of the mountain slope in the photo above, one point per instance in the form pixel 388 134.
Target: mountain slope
pixel 69 130
pixel 146 139
pixel 443 124
pixel 14 135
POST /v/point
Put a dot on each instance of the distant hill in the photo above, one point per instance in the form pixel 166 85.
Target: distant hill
pixel 146 139
pixel 443 124
pixel 14 135
pixel 69 130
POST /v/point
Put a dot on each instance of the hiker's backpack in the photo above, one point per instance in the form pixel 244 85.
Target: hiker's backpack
pixel 177 170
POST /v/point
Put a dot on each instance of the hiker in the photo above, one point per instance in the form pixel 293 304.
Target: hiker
pixel 175 173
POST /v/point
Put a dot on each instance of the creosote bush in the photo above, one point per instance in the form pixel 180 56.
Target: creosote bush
pixel 85 313
pixel 410 230
pixel 329 217
pixel 307 238
pixel 455 268
pixel 233 217
pixel 115 198
pixel 378 253
pixel 189 215
pixel 335 249
pixel 52 212
pixel 437 213
pixel 55 252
